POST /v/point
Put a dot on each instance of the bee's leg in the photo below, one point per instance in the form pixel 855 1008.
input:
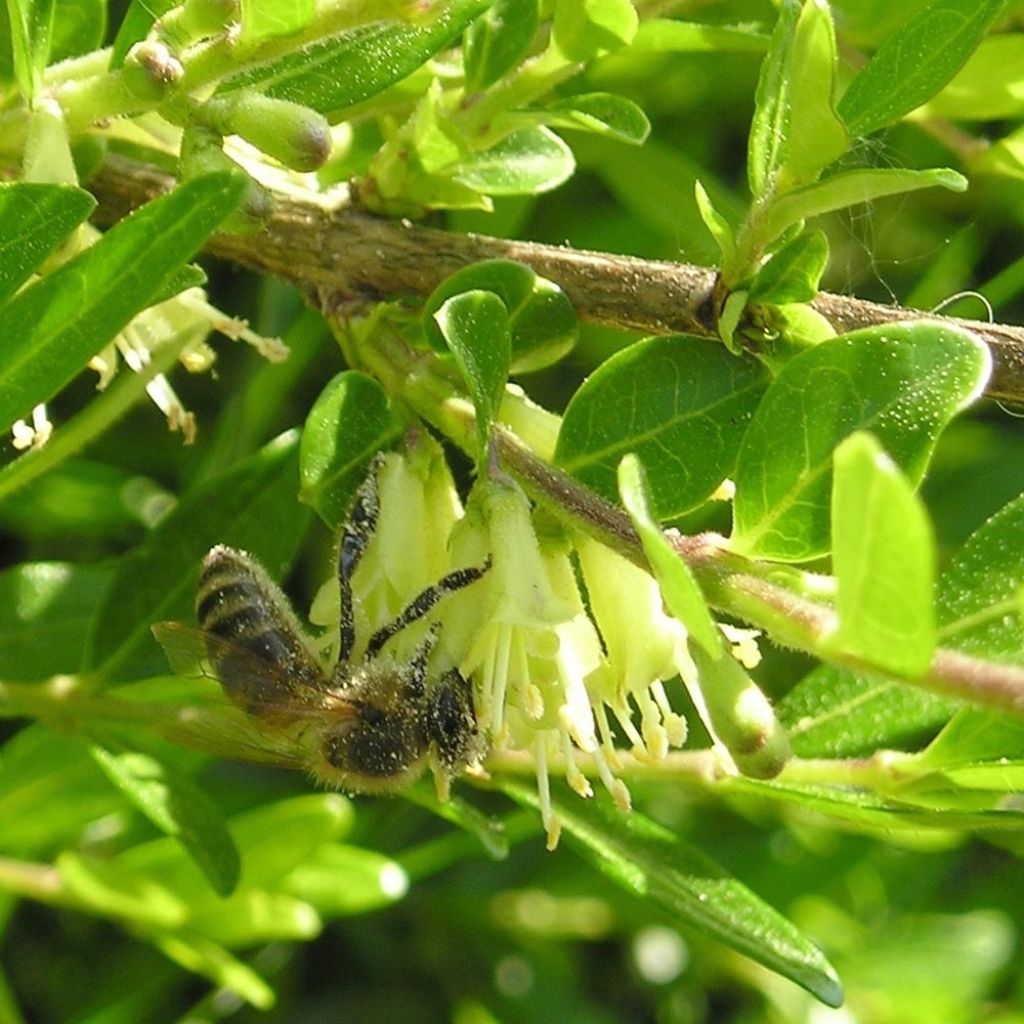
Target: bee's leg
pixel 355 536
pixel 423 602
pixel 452 728
pixel 417 681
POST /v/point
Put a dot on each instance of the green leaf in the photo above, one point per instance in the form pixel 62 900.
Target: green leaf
pixel 78 27
pixel 680 590
pixel 31 24
pixel 883 559
pixel 769 130
pixel 868 811
pixel 796 133
pixel 979 608
pixel 784 469
pixel 719 228
pixel 45 612
pixel 833 712
pixel 497 40
pixel 989 87
pixel 264 19
pixel 157 579
pixel 201 956
pixel 649 862
pixel 53 327
pixel 667 35
pixel 351 420
pixel 527 162
pixel 105 888
pixel 817 136
pixel 372 881
pixel 476 328
pixel 602 113
pixel 586 28
pixel 252 916
pixel 277 838
pixel 849 189
pixel 177 806
pixel 332 74
pixel 541 319
pixel 793 273
pixel 438 143
pixel 273 839
pixel 915 62
pixel 974 736
pixel 679 403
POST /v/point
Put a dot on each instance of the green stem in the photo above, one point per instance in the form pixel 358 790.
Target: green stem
pixel 770 597
pixel 38 882
pixel 534 78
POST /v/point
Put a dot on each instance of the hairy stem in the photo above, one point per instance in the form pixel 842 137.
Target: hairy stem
pixel 362 258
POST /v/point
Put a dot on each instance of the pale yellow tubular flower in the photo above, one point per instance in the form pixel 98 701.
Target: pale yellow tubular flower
pixel 641 644
pixel 417 507
pixel 35 435
pixel 188 314
pixel 535 648
pixel 744 644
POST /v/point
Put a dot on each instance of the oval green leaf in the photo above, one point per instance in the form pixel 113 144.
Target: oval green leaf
pixel 527 162
pixel 351 420
pixel 979 606
pixel 915 62
pixel 542 321
pixel 53 327
pixel 833 712
pixel 649 862
pixel 792 274
pixel 497 40
pixel 475 326
pixel 178 807
pixel 883 557
pixel 680 403
pixel 36 219
pixel 601 113
pixel 372 880
pixel 332 74
pixel 901 382
pixel 680 589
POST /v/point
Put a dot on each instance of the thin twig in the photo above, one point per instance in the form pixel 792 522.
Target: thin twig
pixel 371 258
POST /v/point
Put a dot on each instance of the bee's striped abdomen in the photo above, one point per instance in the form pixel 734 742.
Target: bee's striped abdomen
pixel 264 656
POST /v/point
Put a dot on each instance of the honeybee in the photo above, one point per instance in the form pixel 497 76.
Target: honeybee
pixel 369 725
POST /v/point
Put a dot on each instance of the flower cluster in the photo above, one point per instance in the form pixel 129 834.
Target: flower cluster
pixel 556 674
pixel 185 321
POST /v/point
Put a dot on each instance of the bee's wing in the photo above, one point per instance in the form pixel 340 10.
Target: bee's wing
pixel 185 648
pixel 270 718
pixel 258 685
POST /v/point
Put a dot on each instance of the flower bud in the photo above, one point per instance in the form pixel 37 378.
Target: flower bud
pixel 294 135
pixel 151 71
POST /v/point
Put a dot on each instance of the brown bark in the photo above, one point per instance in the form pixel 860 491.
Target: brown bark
pixel 370 258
